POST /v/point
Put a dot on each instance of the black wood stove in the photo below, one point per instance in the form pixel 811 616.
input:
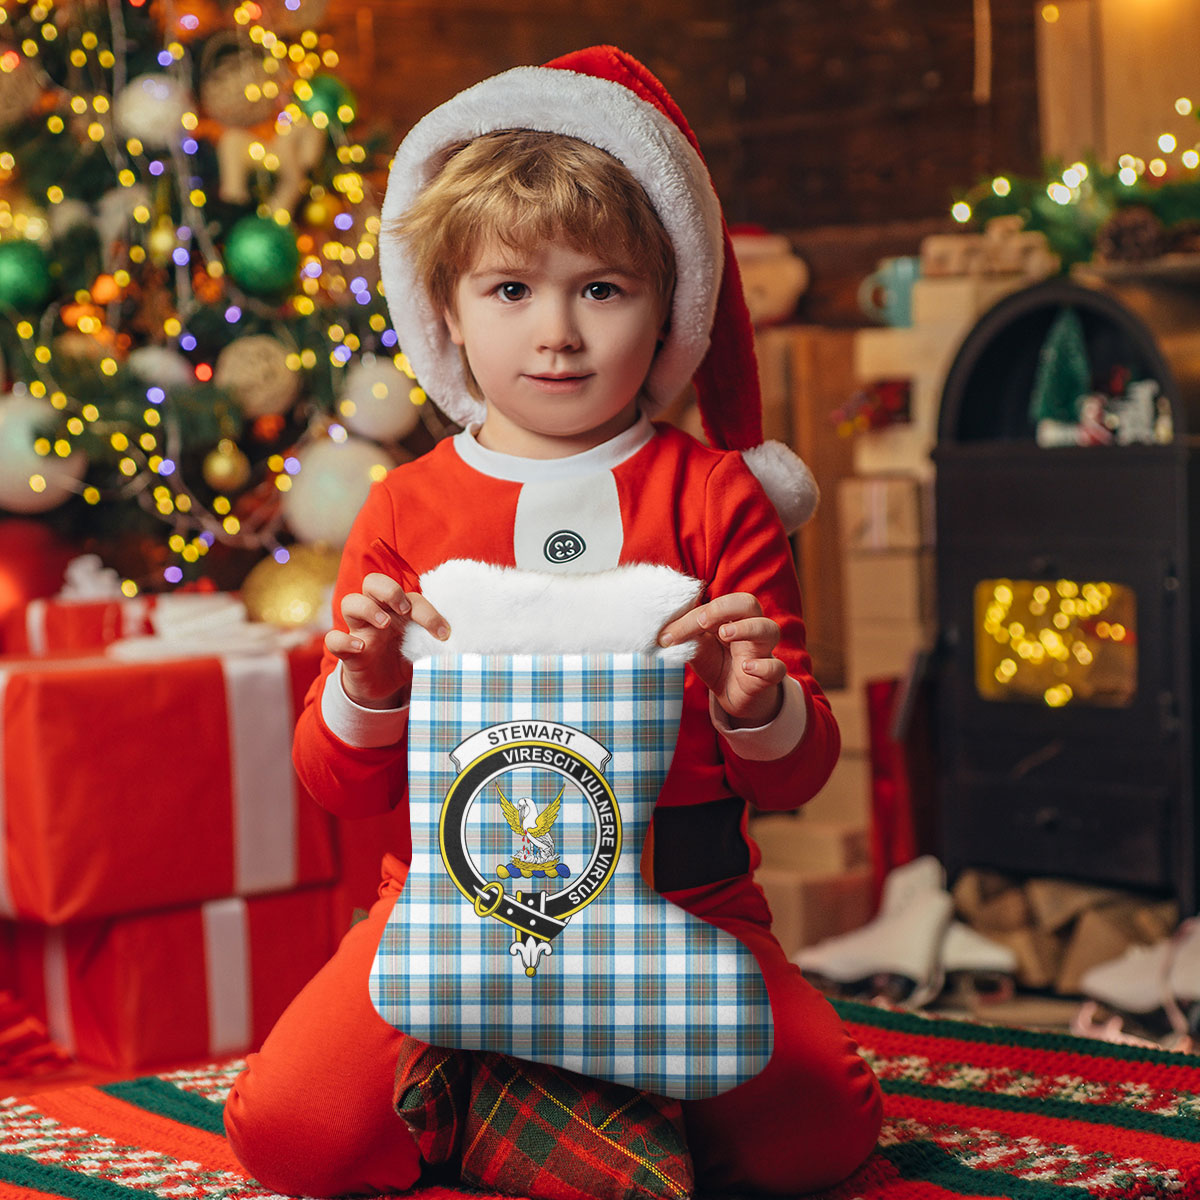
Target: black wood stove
pixel 1068 656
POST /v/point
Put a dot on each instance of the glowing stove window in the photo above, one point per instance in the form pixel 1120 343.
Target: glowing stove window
pixel 1056 642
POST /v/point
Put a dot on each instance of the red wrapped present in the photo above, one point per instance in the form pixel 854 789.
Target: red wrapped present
pixel 50 625
pixel 131 786
pixel 172 987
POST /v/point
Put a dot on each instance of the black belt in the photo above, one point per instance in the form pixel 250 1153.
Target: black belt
pixel 697 844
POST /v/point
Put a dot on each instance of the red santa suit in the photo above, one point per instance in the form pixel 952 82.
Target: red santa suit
pixel 313 1111
pixel 651 495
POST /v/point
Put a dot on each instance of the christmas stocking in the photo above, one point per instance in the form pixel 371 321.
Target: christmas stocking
pixel 525 926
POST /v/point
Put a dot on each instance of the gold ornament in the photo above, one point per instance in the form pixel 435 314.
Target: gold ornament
pixel 255 370
pixel 317 213
pixel 236 88
pixel 162 242
pixel 226 468
pixel 295 593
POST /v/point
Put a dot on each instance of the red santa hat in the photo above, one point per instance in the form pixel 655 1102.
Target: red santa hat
pixel 607 98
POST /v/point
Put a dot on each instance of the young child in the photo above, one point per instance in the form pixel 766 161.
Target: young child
pixel 557 267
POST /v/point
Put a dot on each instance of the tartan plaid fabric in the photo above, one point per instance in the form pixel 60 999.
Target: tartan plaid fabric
pixel 534 1130
pixel 632 989
pixel 432 1088
pixel 531 1130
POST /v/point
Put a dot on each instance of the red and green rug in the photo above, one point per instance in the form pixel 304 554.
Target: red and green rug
pixel 972 1110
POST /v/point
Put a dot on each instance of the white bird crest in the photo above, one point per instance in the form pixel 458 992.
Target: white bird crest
pixel 532 827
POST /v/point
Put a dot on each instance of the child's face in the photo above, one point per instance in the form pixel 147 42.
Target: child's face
pixel 559 342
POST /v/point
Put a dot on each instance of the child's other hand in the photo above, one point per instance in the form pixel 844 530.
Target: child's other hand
pixel 734 655
pixel 374 672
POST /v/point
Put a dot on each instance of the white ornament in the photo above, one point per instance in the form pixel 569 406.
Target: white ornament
pixel 255 370
pixel 23 419
pixel 330 488
pixel 162 366
pixel 66 215
pixel 298 147
pixel 375 400
pixel 114 219
pixel 151 108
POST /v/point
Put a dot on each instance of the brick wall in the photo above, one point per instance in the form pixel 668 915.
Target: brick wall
pixel 810 114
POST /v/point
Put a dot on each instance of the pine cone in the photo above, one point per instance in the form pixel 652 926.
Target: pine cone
pixel 1132 234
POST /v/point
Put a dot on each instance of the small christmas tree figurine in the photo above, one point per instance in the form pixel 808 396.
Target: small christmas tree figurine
pixel 1064 376
pixel 189 298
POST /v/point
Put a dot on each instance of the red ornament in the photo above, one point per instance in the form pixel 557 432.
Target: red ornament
pixel 32 560
pixel 267 428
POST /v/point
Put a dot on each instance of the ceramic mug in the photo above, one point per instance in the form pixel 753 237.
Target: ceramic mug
pixel 886 294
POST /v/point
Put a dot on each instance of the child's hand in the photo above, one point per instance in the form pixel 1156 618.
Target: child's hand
pixel 374 672
pixel 735 655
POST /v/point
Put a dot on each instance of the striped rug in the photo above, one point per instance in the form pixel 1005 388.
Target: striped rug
pixel 160 1135
pixel 971 1111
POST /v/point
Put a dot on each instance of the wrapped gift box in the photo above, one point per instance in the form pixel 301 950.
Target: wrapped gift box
pixel 65 623
pixel 885 512
pixel 173 987
pixel 800 842
pixel 807 908
pixel 131 786
pixel 53 625
pixel 888 586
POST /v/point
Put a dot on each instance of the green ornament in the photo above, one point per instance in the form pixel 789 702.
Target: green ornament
pixel 1064 375
pixel 329 95
pixel 24 275
pixel 262 256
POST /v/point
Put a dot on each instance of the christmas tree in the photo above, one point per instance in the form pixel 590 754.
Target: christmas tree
pixel 196 357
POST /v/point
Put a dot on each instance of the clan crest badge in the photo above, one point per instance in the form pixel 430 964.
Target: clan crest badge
pixel 532 772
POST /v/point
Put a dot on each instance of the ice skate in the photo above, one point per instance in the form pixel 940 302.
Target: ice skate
pixel 910 880
pixel 1154 989
pixel 1094 1021
pixel 978 965
pixel 898 953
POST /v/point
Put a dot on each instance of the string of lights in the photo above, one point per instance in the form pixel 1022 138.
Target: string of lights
pixel 189 294
pixel 1056 640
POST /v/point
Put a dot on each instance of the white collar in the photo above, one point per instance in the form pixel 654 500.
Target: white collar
pixel 514 469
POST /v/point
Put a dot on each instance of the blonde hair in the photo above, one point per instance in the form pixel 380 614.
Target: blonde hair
pixel 521 188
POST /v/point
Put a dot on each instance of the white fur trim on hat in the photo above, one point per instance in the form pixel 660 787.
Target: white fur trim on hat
pixel 604 114
pixel 786 479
